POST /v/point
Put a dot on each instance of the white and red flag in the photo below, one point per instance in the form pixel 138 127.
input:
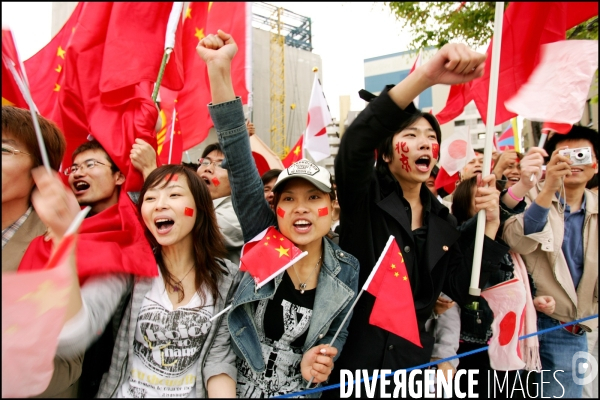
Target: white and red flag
pixel 507 301
pixel 267 255
pixel 319 117
pixel 456 151
pixel 558 88
pixel 264 158
pixel 416 65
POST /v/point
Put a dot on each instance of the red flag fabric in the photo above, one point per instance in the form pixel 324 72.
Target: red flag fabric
pixel 202 18
pixel 163 138
pixel 526 26
pixel 33 312
pixel 264 158
pixel 112 241
pixel 46 69
pixel 556 127
pixel 394 308
pixel 507 301
pixel 267 255
pixel 295 154
pixel 445 181
pixel 319 117
pixel 11 94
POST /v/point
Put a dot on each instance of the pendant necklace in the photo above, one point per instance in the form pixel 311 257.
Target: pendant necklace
pixel 302 285
pixel 175 288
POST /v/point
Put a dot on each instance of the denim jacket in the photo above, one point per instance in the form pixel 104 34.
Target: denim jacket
pixel 338 279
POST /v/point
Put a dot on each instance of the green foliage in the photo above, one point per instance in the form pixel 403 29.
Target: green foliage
pixel 434 24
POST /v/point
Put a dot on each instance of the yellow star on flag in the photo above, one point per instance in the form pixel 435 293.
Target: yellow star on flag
pixel 282 251
pixel 405 278
pixel 59 68
pixel 199 34
pixel 47 297
pixel 393 266
pixel 396 274
pixel 188 13
pixel 61 53
pixel 209 5
pixel 266 244
pixel 297 150
pixel 56 87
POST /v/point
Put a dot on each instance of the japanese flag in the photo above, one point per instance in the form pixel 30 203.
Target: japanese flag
pixel 456 151
pixel 319 117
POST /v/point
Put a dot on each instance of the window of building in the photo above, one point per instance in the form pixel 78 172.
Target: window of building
pixel 459 123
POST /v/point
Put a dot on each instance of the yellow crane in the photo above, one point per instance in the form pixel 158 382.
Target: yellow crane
pixel 277 66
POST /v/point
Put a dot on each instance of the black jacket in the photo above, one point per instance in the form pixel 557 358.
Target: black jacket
pixel 372 209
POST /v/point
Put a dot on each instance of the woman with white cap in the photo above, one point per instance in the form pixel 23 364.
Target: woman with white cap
pixel 281 331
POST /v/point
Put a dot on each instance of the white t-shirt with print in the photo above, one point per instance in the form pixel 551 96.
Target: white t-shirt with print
pixel 167 345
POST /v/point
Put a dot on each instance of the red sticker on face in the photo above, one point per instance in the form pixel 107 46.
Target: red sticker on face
pixel 215 181
pixel 435 149
pixel 189 212
pixel 323 211
pixel 280 212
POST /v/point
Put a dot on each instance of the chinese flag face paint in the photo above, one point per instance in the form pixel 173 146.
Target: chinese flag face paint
pixel 435 148
pixel 215 181
pixel 189 212
pixel 280 212
pixel 172 178
pixel 323 211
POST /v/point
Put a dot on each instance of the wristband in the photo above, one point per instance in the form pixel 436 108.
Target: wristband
pixel 510 193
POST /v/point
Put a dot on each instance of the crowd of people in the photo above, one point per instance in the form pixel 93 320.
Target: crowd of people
pixel 199 327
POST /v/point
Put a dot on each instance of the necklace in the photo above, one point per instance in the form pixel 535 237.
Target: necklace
pixel 302 285
pixel 175 288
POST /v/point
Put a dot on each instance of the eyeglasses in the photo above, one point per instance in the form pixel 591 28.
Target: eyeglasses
pixel 11 151
pixel 87 164
pixel 205 162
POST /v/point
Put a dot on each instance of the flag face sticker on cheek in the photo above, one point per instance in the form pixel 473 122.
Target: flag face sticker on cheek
pixel 323 211
pixel 280 212
pixel 435 148
pixel 216 181
pixel 188 212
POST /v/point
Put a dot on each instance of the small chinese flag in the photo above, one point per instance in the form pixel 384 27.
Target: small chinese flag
pixel 394 308
pixel 267 255
pixel 33 312
pixel 11 94
pixel 295 154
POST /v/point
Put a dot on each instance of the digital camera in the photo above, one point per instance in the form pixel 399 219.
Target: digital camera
pixel 579 156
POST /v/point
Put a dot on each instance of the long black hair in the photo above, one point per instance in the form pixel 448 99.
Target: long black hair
pixel 207 239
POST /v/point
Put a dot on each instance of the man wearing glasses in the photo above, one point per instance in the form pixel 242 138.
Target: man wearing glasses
pixel 20 223
pixel 212 172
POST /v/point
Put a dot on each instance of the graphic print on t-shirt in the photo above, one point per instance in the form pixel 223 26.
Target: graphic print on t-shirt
pixel 281 357
pixel 169 343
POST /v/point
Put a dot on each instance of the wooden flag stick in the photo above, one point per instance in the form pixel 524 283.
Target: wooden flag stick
pixel 169 43
pixel 172 134
pixel 489 135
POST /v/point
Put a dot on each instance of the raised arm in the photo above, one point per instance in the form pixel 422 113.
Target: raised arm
pixel 227 113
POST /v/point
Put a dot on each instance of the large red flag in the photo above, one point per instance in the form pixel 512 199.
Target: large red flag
pixel 526 26
pixel 267 255
pixel 46 69
pixel 11 94
pixel 295 154
pixel 202 18
pixel 33 312
pixel 394 308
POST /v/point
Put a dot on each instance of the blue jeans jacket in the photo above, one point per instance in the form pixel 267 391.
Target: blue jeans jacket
pixel 338 279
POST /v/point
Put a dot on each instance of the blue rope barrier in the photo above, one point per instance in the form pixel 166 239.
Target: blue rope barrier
pixel 429 364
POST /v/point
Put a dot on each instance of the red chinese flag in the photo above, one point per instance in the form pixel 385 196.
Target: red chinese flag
pixel 201 19
pixel 46 69
pixel 267 255
pixel 11 94
pixel 296 154
pixel 448 182
pixel 563 129
pixel 394 308
pixel 525 27
pixel 33 312
pixel 112 241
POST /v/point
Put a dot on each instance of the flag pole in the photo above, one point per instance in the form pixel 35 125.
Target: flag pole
pixel 32 109
pixel 487 152
pixel 169 44
pixel 364 287
pixel 172 134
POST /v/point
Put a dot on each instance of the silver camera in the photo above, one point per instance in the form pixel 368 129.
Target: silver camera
pixel 579 156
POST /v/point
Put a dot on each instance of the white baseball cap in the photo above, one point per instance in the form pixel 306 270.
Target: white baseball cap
pixel 305 169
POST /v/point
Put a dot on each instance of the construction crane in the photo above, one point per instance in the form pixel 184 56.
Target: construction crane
pixel 286 28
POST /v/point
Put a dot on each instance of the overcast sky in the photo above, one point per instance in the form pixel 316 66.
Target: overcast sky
pixel 343 34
